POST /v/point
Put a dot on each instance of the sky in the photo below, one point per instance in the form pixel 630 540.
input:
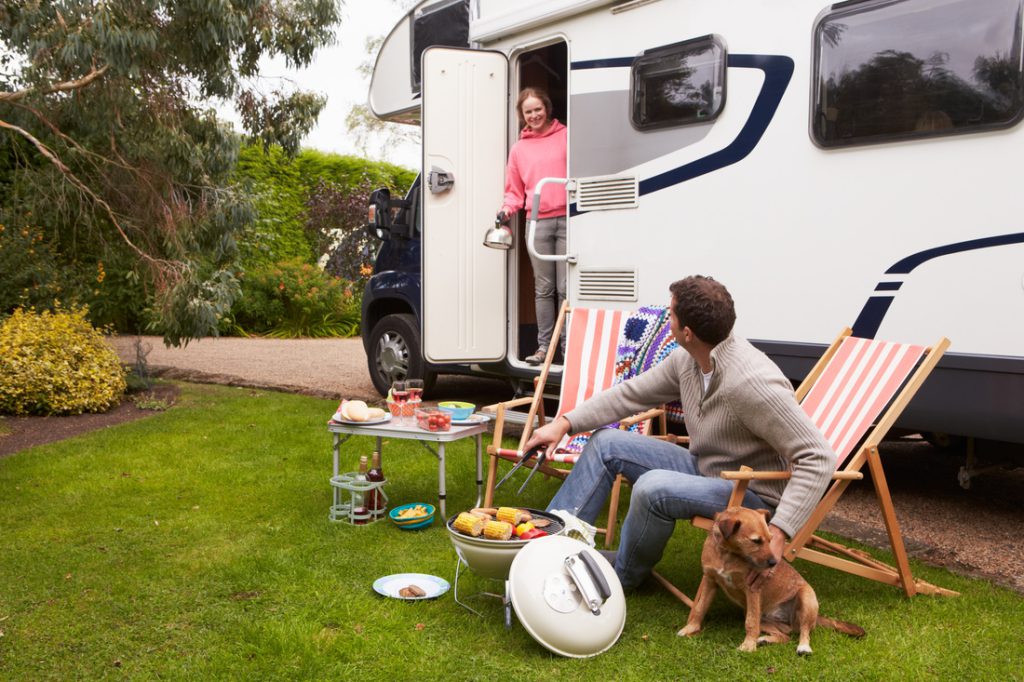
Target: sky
pixel 334 73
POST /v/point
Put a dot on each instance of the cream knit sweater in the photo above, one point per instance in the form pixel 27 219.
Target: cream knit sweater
pixel 748 416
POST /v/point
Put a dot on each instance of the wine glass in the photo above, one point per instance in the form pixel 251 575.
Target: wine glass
pixel 415 387
pixel 399 391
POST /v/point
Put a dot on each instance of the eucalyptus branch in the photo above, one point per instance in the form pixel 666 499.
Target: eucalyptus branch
pixel 66 86
pixel 161 265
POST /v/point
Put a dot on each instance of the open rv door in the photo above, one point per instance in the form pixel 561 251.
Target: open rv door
pixel 465 106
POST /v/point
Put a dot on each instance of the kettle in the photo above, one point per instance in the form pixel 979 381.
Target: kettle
pixel 499 236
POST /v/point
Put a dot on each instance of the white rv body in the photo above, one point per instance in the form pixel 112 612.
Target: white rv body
pixel 907 239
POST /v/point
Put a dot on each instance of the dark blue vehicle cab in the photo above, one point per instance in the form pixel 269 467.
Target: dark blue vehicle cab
pixel 391 298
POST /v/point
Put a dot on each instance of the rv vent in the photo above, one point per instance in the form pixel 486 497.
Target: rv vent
pixel 607 193
pixel 607 284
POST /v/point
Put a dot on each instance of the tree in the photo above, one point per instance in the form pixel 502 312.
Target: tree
pixel 366 128
pixel 113 144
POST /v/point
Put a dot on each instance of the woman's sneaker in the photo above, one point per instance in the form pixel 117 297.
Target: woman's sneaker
pixel 535 359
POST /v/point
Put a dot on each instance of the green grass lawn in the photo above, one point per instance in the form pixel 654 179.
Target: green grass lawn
pixel 195 544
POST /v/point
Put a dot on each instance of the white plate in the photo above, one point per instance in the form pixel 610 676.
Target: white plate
pixel 389 585
pixel 473 419
pixel 369 422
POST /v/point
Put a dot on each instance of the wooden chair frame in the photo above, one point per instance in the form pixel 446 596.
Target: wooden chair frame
pixel 806 544
pixel 536 413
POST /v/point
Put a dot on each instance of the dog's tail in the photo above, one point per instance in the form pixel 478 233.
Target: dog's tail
pixel 841 626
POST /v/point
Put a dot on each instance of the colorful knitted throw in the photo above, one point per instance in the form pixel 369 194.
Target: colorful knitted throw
pixel 646 340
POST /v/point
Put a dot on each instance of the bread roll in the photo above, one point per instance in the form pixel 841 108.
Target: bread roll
pixel 356 411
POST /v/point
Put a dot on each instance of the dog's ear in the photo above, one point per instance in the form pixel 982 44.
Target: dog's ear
pixel 728 526
pixel 767 513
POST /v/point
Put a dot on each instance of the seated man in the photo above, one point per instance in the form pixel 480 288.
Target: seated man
pixel 740 410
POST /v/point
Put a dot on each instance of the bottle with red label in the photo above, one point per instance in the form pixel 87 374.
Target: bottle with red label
pixel 375 501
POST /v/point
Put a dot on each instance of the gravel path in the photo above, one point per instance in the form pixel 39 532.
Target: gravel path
pixel 974 532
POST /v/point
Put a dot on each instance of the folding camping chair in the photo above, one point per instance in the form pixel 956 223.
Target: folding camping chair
pixel 592 340
pixel 857 382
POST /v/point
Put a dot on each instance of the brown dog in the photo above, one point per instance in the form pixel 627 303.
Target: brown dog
pixel 738 544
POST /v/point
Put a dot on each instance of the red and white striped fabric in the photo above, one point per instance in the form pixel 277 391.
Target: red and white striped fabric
pixel 857 384
pixel 589 368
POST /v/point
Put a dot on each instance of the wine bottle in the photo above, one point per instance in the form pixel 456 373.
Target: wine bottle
pixel 375 498
pixel 360 513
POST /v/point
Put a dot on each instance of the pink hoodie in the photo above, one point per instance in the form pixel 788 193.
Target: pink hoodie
pixel 534 157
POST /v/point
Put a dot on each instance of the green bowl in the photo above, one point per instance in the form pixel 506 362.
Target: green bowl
pixel 460 411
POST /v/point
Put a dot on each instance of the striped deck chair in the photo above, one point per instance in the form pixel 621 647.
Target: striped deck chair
pixel 856 384
pixel 592 341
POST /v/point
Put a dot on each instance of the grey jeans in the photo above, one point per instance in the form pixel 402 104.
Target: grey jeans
pixel 548 277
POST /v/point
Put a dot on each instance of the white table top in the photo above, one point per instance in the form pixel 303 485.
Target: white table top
pixel 409 431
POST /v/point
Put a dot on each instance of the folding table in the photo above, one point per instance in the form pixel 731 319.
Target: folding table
pixel 427 439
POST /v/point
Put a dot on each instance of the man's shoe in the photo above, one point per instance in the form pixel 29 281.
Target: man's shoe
pixel 536 359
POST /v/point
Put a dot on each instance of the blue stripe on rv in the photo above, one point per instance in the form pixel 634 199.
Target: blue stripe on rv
pixel 778 70
pixel 874 310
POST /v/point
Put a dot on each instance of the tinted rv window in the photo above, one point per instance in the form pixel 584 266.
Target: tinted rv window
pixel 678 84
pixel 908 69
pixel 444 23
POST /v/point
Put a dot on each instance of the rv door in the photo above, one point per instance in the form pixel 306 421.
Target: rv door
pixel 465 105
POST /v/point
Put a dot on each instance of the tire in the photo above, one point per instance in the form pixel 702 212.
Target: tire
pixel 395 353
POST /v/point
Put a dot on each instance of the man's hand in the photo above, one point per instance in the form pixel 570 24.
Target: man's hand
pixel 756 579
pixel 549 436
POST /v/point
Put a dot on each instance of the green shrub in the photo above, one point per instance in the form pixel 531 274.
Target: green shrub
pixel 31 271
pixel 283 186
pixel 294 299
pixel 56 363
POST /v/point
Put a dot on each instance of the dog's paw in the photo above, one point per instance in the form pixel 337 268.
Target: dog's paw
pixel 748 645
pixel 688 630
pixel 803 650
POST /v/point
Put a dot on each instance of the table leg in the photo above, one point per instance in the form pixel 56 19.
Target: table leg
pixel 479 470
pixel 440 481
pixel 336 448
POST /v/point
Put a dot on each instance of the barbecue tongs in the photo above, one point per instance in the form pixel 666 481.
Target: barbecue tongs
pixel 540 452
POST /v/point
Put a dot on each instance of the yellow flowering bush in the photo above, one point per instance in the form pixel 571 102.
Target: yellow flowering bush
pixel 56 363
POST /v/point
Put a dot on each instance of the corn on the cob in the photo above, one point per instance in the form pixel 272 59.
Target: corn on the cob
pixel 497 530
pixel 468 524
pixel 510 515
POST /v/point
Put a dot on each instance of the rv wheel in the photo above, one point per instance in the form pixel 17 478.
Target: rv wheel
pixel 395 353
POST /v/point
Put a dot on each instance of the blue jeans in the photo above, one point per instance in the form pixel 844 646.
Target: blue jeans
pixel 666 486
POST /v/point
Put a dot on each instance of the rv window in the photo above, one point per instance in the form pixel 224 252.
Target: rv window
pixel 444 23
pixel 913 69
pixel 678 84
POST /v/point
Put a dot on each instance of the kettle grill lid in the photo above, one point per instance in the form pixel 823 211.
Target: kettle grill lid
pixel 567 596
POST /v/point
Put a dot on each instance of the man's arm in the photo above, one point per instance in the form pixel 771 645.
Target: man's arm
pixel 656 386
pixel 770 410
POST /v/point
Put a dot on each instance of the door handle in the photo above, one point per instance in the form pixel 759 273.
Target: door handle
pixel 439 181
pixel 531 231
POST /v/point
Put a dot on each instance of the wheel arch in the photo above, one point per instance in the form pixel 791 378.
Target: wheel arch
pixel 380 308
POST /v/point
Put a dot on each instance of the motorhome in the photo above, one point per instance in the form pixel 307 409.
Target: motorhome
pixel 834 165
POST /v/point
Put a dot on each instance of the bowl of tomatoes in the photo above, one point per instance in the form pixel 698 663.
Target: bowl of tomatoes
pixel 433 419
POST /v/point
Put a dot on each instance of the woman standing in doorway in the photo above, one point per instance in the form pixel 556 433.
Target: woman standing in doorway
pixel 540 153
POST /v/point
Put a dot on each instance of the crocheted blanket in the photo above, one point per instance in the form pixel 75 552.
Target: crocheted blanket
pixel 646 340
